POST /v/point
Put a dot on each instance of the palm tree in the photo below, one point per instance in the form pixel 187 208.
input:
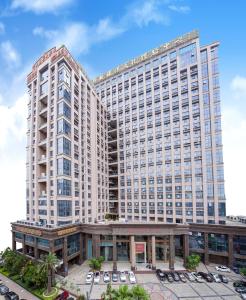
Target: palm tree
pixel 110 294
pixel 124 293
pixel 139 293
pixel 49 265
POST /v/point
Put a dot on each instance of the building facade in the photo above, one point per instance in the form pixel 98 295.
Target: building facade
pixel 165 145
pixel 67 172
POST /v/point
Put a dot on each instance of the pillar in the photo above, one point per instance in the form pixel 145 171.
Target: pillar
pixel 230 250
pixel 132 252
pixel 65 260
pixel 114 253
pixel 96 245
pixel 35 247
pixel 86 246
pixel 52 246
pixel 23 244
pixel 13 241
pixel 185 247
pixel 153 252
pixel 171 252
pixel 206 254
pixel 80 248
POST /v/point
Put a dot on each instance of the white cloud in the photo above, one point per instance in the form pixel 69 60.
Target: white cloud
pixel 9 54
pixel 12 162
pixel 40 6
pixel 79 36
pixel 180 9
pixel 238 86
pixel 2 28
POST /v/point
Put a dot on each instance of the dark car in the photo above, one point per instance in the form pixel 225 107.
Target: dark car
pixel 63 296
pixel 4 289
pixel 236 270
pixel 11 296
pixel 115 277
pixel 206 276
pixel 223 278
pixel 240 290
pixel 169 277
pixel 160 275
pixel 175 276
pixel 239 283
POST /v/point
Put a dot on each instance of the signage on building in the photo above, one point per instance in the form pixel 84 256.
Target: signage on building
pixel 28 230
pixel 139 247
pixel 67 231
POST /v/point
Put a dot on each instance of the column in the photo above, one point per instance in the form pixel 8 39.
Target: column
pixel 35 247
pixel 86 246
pixel 230 250
pixel 95 245
pixel 185 247
pixel 13 241
pixel 65 261
pixel 153 252
pixel 114 253
pixel 23 244
pixel 52 246
pixel 206 254
pixel 132 252
pixel 171 252
pixel 80 248
pixel 149 251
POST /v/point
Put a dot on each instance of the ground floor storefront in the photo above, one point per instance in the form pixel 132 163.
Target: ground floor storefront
pixel 138 244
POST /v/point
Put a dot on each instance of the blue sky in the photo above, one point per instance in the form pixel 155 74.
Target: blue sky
pixel 101 35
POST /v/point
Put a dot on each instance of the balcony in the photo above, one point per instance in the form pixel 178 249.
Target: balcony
pixel 43 143
pixel 42 177
pixel 43 112
pixel 43 127
pixel 42 160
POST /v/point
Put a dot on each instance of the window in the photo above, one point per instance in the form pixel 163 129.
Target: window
pixel 63 127
pixel 44 88
pixel 63 146
pixel 63 110
pixel 63 166
pixel 64 208
pixel 64 187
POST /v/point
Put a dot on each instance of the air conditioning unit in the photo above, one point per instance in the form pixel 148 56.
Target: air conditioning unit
pixel 43 193
pixel 42 156
pixel 42 174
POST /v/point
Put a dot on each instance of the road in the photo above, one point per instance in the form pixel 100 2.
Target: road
pixel 23 294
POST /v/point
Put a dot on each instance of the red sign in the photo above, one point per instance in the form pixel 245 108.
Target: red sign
pixel 139 248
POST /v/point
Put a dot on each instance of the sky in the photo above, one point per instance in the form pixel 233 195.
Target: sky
pixel 101 35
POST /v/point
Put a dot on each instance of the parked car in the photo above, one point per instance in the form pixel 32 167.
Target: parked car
pixel 4 289
pixel 239 283
pixel 11 296
pixel 222 268
pixel 243 296
pixel 223 278
pixel 169 277
pixel 190 277
pixel 215 277
pixel 115 277
pixel 96 277
pixel 206 276
pixel 1 282
pixel 106 277
pixel 160 274
pixel 89 278
pixel 63 296
pixel 240 290
pixel 197 277
pixel 182 277
pixel 175 276
pixel 132 277
pixel 122 276
pixel 236 270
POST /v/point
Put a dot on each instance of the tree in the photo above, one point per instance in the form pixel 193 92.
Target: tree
pixel 193 261
pixel 96 263
pixel 124 293
pixel 242 271
pixel 139 293
pixel 110 294
pixel 49 266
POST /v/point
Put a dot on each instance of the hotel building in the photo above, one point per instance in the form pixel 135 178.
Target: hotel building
pixel 130 165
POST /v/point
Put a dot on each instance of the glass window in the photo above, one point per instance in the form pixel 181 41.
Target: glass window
pixel 44 88
pixel 63 127
pixel 64 187
pixel 63 110
pixel 239 244
pixel 63 146
pixel 218 242
pixel 196 240
pixel 63 166
pixel 64 208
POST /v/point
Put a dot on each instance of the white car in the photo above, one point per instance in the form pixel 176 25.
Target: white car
pixel 122 276
pixel 132 277
pixel 97 277
pixel 106 277
pixel 216 277
pixel 89 278
pixel 222 269
pixel 197 277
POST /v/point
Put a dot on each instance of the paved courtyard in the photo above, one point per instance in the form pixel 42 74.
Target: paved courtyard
pixel 75 281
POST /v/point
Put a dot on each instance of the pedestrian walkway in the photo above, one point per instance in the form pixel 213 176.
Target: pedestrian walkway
pixel 23 294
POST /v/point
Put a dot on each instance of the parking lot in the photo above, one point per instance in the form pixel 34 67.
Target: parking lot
pixel 160 290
